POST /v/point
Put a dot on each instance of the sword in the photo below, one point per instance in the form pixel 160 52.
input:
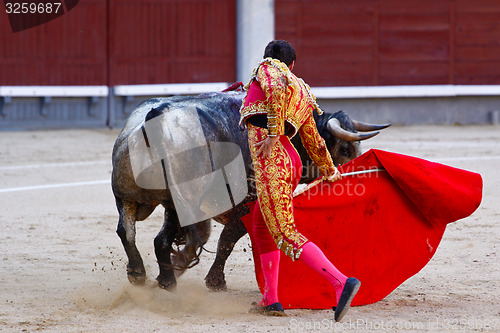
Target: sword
pixel 347 174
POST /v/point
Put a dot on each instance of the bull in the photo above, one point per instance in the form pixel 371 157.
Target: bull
pixel 179 247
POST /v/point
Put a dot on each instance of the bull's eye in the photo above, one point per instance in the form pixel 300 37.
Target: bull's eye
pixel 344 151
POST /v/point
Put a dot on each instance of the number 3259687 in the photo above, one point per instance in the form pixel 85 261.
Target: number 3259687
pixel 32 7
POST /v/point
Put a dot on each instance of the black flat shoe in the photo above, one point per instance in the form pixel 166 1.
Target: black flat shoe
pixel 275 309
pixel 350 289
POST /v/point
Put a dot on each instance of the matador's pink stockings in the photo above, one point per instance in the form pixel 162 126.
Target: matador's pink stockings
pixel 270 263
pixel 313 257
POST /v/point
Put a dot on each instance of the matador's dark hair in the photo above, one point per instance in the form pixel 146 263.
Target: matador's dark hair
pixel 281 50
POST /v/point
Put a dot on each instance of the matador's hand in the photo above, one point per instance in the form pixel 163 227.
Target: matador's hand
pixel 336 176
pixel 266 145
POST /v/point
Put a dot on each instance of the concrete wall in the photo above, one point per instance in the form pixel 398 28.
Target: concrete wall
pixel 463 110
pixel 38 112
pixel 255 29
pixel 34 113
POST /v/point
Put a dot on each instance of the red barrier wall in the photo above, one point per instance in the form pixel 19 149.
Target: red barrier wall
pixel 111 42
pixel 338 42
pixel 393 42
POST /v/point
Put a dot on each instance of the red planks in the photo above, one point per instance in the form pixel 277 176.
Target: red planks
pixel 356 42
pixel 393 42
pixel 115 42
pixel 172 41
pixel 334 40
pixel 70 50
pixel 413 42
pixel 477 31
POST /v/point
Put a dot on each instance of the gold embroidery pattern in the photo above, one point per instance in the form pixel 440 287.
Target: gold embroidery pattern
pixel 299 106
pixel 285 71
pixel 274 182
pixel 253 109
pixel 288 98
pixel 316 147
pixel 274 85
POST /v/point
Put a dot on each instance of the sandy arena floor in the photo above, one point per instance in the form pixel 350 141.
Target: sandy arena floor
pixel 62 267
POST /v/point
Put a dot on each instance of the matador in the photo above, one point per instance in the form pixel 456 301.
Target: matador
pixel 277 106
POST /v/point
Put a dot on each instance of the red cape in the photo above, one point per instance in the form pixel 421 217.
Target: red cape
pixel 381 227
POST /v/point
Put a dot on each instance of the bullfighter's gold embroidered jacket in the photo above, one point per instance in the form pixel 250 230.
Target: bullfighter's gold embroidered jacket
pixel 275 91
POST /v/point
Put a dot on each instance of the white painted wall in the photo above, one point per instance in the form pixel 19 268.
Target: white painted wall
pixel 255 29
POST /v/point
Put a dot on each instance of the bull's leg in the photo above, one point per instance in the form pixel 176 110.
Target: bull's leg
pixel 126 231
pixel 163 248
pixel 231 233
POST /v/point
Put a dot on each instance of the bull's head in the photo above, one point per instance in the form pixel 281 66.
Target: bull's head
pixel 342 138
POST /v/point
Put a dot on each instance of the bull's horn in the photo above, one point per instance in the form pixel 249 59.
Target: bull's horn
pixel 334 128
pixel 366 127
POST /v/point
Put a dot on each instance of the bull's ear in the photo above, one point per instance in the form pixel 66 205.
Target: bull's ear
pixel 366 127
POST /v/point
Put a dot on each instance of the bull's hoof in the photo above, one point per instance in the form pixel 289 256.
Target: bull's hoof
pixel 137 279
pixel 215 284
pixel 168 284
